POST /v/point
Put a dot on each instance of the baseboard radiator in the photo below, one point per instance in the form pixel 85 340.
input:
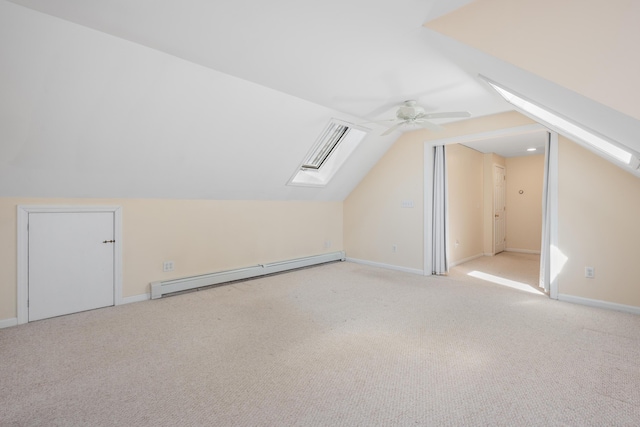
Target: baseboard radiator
pixel 158 289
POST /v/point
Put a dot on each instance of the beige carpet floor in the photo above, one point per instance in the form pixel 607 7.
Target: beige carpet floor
pixel 337 345
pixel 516 267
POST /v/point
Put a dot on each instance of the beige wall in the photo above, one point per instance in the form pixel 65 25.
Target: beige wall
pixel 586 46
pixel 524 211
pixel 465 181
pixel 200 236
pixel 599 212
pixel 598 224
pixel 373 217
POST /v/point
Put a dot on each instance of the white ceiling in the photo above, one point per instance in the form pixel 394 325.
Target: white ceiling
pixel 514 145
pixel 209 99
pixel 357 57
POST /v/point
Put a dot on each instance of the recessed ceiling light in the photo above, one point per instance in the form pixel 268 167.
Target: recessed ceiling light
pixel 531 149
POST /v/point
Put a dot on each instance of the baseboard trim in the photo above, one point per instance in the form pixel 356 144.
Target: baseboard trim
pixel 7 323
pixel 386 266
pixel 136 298
pixel 462 261
pixel 523 251
pixel 599 304
pixel 160 288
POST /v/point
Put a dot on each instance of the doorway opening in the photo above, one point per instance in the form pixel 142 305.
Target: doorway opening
pixel 479 224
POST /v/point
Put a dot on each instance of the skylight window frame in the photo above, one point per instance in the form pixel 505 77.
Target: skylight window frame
pixel 329 154
pixel 326 144
pixel 593 140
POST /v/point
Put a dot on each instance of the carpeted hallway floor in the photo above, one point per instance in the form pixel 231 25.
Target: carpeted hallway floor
pixel 336 345
pixel 511 266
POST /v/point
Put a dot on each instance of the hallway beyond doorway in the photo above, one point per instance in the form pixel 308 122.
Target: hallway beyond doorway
pixel 512 266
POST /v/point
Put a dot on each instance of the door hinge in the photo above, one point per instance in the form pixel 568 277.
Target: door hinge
pixel 27 303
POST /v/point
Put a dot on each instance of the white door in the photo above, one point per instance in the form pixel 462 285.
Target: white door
pixel 71 262
pixel 499 209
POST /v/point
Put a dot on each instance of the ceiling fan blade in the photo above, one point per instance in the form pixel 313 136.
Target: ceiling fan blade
pixel 449 115
pixel 429 125
pixel 392 128
pixel 378 121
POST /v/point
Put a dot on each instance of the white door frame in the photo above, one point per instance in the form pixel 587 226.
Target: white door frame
pixel 555 264
pixel 23 249
pixel 553 189
pixel 504 208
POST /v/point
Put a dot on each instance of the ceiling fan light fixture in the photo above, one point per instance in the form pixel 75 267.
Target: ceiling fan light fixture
pixel 410 110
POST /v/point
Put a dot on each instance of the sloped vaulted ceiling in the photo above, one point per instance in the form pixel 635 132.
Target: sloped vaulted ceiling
pixel 576 58
pixel 222 100
pixel 589 47
pixel 200 99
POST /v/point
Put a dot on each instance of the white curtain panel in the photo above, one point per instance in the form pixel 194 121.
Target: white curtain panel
pixel 545 255
pixel 440 264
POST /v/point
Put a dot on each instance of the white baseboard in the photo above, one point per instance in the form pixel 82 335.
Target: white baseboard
pixel 387 266
pixel 462 261
pixel 136 298
pixel 599 304
pixel 6 323
pixel 523 251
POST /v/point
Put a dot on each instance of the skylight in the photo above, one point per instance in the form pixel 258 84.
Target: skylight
pixel 328 141
pixel 565 126
pixel 334 145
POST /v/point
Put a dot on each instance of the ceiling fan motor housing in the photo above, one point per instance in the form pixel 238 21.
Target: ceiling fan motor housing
pixel 409 111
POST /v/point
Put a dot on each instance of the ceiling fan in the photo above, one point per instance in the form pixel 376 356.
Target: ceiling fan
pixel 410 113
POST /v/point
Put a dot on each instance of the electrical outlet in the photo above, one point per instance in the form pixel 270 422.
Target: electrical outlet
pixel 167 266
pixel 457 243
pixel 327 244
pixel 394 248
pixel 407 203
pixel 589 272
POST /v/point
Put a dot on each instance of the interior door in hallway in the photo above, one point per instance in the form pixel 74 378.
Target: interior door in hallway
pixel 499 209
pixel 71 262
